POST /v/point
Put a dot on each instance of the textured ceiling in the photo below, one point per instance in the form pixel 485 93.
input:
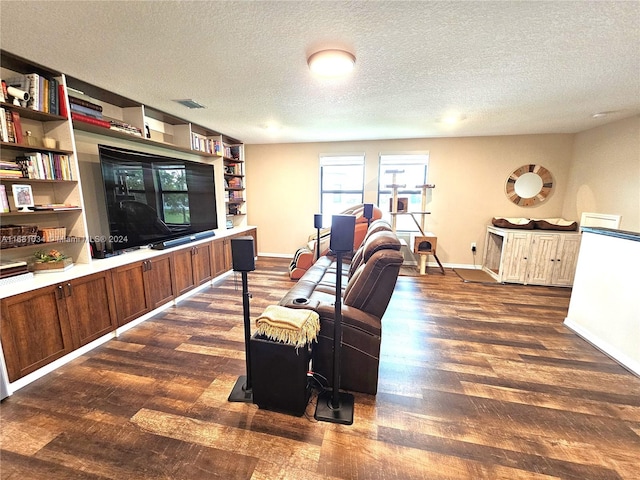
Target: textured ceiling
pixel 507 67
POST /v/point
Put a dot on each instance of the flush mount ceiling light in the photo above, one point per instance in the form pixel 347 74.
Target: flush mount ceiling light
pixel 331 63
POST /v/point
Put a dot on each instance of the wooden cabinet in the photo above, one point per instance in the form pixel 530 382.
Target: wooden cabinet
pixel 193 267
pixel 142 286
pixel 43 325
pixel 553 259
pixel 159 280
pixel 222 251
pixel 531 257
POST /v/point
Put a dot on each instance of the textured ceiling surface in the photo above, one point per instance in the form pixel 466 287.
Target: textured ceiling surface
pixel 507 67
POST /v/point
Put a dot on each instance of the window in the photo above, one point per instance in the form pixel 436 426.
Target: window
pixel 341 183
pixel 412 172
pixel 173 190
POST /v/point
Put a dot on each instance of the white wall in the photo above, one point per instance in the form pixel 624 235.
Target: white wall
pixel 469 174
pixel 605 173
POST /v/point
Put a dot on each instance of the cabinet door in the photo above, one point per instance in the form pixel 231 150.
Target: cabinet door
pixel 34 330
pixel 130 293
pixel 183 270
pixel 542 259
pixel 516 255
pixel 219 262
pixel 202 263
pixel 566 259
pixel 91 307
pixel 159 280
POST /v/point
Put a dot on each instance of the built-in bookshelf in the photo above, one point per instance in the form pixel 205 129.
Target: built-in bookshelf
pixel 42 147
pixel 82 107
pixel 234 182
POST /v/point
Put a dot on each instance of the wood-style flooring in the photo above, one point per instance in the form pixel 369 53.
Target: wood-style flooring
pixel 476 382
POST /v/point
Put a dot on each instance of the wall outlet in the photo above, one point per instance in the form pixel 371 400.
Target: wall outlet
pixel 473 247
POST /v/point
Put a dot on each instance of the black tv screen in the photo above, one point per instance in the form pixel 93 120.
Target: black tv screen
pixel 152 198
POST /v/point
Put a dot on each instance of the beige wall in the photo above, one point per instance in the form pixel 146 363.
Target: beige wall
pixel 605 173
pixel 469 174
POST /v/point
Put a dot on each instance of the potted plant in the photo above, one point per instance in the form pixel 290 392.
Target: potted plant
pixel 51 260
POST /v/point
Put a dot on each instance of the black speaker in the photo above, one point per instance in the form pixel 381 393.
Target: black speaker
pixel 279 375
pixel 317 220
pixel 242 254
pixel 342 231
pixel 368 211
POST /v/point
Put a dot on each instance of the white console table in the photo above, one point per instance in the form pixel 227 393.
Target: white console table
pixel 605 305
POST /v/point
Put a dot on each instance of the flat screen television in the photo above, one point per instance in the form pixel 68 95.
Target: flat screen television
pixel 156 201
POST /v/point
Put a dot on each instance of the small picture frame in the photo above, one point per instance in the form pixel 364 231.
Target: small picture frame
pixel 22 197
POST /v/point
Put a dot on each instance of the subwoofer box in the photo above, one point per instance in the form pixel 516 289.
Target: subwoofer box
pixel 279 375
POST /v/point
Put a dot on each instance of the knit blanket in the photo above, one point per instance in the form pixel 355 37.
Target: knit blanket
pixel 292 326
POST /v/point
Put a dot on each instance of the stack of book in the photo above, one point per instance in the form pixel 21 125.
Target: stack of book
pixel 87 112
pixel 125 128
pixel 11 170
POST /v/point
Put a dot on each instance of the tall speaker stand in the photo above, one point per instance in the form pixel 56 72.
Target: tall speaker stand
pixel 336 406
pixel 242 391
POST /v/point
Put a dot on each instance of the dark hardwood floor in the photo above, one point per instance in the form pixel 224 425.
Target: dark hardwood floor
pixel 476 382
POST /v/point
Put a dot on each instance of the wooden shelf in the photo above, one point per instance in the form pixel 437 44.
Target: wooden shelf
pixel 30 148
pixel 33 114
pixel 39 212
pixel 34 180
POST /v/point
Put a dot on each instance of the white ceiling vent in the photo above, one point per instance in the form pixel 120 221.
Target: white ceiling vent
pixel 187 102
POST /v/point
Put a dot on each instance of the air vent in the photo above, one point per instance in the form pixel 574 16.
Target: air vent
pixel 187 102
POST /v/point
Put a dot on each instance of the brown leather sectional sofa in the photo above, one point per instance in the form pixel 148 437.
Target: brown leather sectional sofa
pixel 368 281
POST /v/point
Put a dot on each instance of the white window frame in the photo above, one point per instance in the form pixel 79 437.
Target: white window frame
pixel 333 160
pixel 396 161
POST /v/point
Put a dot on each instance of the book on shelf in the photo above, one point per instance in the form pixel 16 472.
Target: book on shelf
pixel 53 96
pixel 74 107
pixel 11 137
pixel 124 128
pixel 34 90
pixel 4 132
pixel 3 95
pixel 11 170
pixel 85 103
pixel 17 126
pixel 46 166
pixel 62 103
pixel 87 119
pixel 4 200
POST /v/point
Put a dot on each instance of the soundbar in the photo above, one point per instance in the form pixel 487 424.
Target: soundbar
pixel 182 240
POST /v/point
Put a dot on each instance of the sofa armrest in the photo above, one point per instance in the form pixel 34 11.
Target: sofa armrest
pixel 351 316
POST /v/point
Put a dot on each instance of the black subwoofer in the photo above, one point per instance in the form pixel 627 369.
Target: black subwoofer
pixel 279 375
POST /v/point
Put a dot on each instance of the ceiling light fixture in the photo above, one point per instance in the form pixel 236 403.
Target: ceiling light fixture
pixel 331 63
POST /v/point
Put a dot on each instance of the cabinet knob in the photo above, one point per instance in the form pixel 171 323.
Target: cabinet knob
pixel 60 293
pixel 69 289
pixel 557 259
pixel 552 260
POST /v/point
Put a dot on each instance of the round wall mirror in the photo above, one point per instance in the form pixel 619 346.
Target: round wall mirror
pixel 529 185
